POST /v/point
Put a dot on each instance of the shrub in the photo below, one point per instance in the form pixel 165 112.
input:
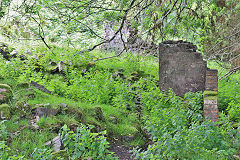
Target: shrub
pixel 179 132
pixel 234 111
pixel 85 144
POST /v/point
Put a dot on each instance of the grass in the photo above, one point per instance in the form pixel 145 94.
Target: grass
pixel 28 140
pixel 126 120
pixel 84 90
pixel 76 113
pixel 228 88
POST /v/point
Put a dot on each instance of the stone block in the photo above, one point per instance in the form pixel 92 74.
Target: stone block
pixel 212 117
pixel 211 102
pixel 5 93
pixel 210 107
pixel 211 80
pixel 211 72
pixel 4 111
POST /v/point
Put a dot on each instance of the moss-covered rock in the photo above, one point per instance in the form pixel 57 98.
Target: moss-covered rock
pixel 5 93
pixel 23 85
pixel 4 51
pixel 210 95
pixel 99 114
pixel 22 109
pixel 5 111
pixel 62 154
pixel 76 111
pixel 44 111
pixel 113 119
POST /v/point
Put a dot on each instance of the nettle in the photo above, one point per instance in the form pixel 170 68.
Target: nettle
pixel 4 148
pixel 178 130
pixel 85 144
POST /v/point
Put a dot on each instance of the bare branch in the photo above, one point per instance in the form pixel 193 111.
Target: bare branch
pixel 40 35
pixel 120 28
pixel 230 73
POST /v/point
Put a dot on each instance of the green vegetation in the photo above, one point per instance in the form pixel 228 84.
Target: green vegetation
pixel 99 102
pixel 64 95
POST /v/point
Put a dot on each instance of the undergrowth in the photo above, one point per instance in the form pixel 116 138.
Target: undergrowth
pixel 104 94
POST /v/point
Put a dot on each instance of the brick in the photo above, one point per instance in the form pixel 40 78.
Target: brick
pixel 211 72
pixel 209 81
pixel 211 116
pixel 211 85
pixel 211 112
pixel 211 89
pixel 211 77
pixel 210 107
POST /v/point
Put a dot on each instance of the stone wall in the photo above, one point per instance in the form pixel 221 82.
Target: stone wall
pixel 130 35
pixel 181 67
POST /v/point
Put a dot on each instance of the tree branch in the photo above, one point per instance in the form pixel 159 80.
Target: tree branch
pixel 124 49
pixel 120 28
pixel 40 35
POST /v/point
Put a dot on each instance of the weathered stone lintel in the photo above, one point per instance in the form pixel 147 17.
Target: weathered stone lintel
pixel 210 102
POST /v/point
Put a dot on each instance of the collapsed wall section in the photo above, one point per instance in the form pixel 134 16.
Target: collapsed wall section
pixel 181 68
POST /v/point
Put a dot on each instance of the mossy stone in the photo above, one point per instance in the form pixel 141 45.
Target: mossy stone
pixel 121 69
pixel 5 111
pixel 52 69
pixel 22 108
pixel 90 64
pixel 113 119
pixel 62 154
pixel 20 104
pixel 5 93
pixel 74 111
pixel 210 93
pixel 99 114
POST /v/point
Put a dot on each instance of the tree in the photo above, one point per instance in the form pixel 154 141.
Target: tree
pixel 210 24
